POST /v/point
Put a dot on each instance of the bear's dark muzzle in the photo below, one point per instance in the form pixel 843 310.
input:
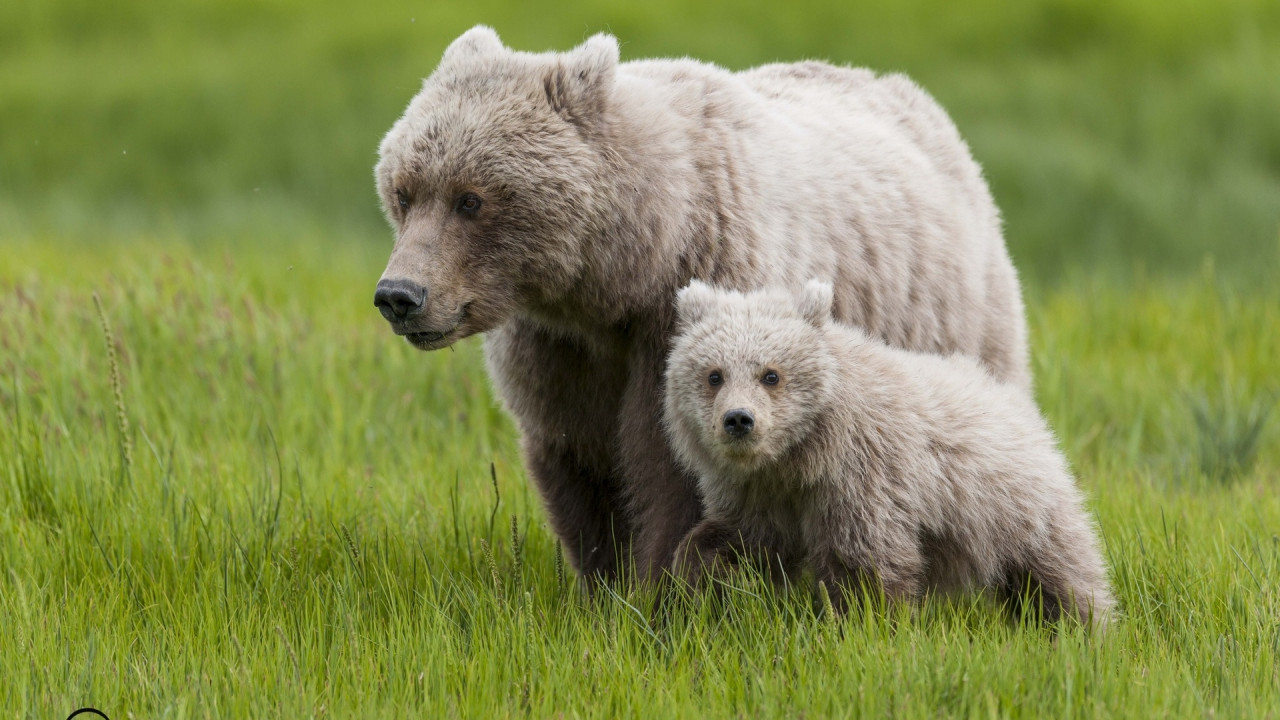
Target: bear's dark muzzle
pixel 739 423
pixel 399 299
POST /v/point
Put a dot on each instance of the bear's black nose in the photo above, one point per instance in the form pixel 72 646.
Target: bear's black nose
pixel 399 298
pixel 739 423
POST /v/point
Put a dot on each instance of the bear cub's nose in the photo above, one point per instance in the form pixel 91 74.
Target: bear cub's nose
pixel 739 423
pixel 399 298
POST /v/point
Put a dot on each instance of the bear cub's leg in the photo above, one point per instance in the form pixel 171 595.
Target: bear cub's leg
pixel 892 565
pixel 1062 576
pixel 714 548
pixel 711 549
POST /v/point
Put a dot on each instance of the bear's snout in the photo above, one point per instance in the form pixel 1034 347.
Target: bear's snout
pixel 399 298
pixel 739 423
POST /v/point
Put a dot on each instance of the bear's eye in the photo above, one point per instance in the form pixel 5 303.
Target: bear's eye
pixel 468 204
pixel 770 378
pixel 401 200
pixel 715 379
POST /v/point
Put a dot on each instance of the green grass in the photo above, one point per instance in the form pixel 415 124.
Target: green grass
pixel 309 525
pixel 258 503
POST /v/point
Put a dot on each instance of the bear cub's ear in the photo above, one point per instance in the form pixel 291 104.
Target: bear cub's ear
pixel 693 301
pixel 579 84
pixel 597 57
pixel 815 302
pixel 478 42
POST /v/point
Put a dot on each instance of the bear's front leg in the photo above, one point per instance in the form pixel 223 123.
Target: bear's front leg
pixel 715 547
pixel 582 507
pixel 661 498
pixel 870 562
pixel 565 396
pixel 712 548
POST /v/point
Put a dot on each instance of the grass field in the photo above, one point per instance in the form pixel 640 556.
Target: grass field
pixel 227 491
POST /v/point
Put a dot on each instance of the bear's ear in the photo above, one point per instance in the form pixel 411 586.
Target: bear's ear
pixel 815 302
pixel 478 42
pixel 693 301
pixel 579 84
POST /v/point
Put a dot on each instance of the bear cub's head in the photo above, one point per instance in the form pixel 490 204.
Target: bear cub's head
pixel 493 181
pixel 748 375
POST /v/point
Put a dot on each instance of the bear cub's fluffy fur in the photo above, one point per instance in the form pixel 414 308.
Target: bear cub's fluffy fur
pixel 818 446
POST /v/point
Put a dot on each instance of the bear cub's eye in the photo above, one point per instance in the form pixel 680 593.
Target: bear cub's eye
pixel 715 379
pixel 401 200
pixel 770 378
pixel 468 204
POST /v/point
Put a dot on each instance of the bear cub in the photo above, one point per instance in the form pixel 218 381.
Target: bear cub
pixel 817 446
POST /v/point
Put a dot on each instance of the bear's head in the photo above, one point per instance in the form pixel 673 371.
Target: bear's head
pixel 748 374
pixel 490 180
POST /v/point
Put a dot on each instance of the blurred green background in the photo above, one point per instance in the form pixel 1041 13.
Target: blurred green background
pixel 1117 135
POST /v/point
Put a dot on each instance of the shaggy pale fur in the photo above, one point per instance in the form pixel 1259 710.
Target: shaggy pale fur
pixel 557 202
pixel 866 462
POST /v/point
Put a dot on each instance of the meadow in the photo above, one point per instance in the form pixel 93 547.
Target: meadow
pixel 227 491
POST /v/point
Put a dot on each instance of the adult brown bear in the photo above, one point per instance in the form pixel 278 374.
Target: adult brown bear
pixel 557 202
